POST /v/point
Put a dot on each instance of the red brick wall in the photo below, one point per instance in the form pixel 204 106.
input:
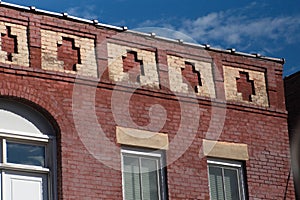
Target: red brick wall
pixel 83 176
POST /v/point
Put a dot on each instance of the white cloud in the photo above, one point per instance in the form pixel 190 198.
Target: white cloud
pixel 167 33
pixel 86 12
pixel 234 31
pixel 239 28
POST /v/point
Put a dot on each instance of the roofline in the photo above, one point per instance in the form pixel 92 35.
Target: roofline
pixel 124 28
pixel 208 47
pixel 292 76
pixel 64 15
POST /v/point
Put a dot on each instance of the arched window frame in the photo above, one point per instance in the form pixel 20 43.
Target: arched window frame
pixel 44 136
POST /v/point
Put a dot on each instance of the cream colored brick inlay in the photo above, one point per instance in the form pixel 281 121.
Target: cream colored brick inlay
pixel 51 39
pixel 227 150
pixel 115 65
pixel 232 73
pixel 175 76
pixel 22 57
pixel 142 138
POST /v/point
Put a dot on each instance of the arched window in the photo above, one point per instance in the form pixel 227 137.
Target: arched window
pixel 27 153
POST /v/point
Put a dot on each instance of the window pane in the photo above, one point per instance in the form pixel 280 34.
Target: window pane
pixel 150 183
pixel 25 154
pixel 216 183
pixel 131 178
pixel 231 184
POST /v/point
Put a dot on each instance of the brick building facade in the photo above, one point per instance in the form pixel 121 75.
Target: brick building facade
pixel 112 114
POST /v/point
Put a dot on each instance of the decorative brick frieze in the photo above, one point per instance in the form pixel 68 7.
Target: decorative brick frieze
pixel 142 61
pixel 183 80
pixel 247 86
pixel 79 58
pixel 14 44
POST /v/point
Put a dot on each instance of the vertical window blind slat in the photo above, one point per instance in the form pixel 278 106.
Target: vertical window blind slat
pixel 231 184
pixel 131 178
pixel 216 183
pixel 141 176
pixel 149 177
pixel 225 182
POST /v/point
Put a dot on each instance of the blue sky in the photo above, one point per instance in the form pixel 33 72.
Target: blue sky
pixel 271 28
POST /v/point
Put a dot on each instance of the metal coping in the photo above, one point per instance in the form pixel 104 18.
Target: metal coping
pixel 153 35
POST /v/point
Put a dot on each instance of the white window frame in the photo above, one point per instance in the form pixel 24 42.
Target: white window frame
pixel 7 176
pixel 231 164
pixel 49 142
pixel 27 125
pixel 157 154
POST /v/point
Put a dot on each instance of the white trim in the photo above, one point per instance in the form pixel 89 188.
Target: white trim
pixel 25 168
pixel 15 175
pixel 224 163
pixel 3 184
pixel 122 172
pixel 23 135
pixel 141 153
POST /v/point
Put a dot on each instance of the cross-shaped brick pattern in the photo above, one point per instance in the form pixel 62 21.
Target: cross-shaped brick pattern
pixel 245 86
pixel 9 43
pixel 191 77
pixel 69 54
pixel 133 66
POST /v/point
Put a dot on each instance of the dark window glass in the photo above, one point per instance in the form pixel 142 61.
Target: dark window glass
pixel 25 154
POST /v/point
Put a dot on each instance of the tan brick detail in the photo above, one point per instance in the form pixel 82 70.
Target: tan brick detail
pixel 142 138
pixel 227 150
pixel 115 65
pixel 175 76
pixel 232 73
pixel 51 39
pixel 22 57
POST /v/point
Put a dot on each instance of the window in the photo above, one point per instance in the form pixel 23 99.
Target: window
pixel 226 180
pixel 143 175
pixel 27 154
